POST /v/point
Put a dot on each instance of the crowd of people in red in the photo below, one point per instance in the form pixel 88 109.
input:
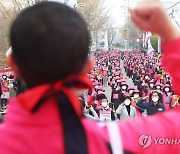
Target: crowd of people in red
pixel 152 91
pixel 50 44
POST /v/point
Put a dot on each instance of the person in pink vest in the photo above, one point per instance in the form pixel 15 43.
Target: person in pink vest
pixel 5 92
pixel 105 112
pixel 167 96
pixel 47 117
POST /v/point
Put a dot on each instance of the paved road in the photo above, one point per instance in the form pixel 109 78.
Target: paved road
pixel 108 89
pixel 128 81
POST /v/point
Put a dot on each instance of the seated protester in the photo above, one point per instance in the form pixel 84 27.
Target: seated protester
pixel 105 112
pixel 126 110
pixel 154 105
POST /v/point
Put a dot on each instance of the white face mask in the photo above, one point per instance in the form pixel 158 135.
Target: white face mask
pixel 104 103
pixel 127 102
pixel 155 99
pixel 166 89
pixel 169 93
pixel 151 85
pixel 146 77
pixel 130 91
pixel 4 77
pixel 96 102
pixel 117 88
pixel 123 87
pixel 136 96
pixel 96 87
pixel 158 87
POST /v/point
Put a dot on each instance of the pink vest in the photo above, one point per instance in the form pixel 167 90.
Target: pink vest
pixel 4 88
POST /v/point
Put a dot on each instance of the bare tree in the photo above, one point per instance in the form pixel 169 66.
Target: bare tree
pixel 97 17
pixel 7 15
pixel 134 32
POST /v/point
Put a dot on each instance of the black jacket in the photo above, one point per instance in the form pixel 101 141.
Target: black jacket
pixel 150 107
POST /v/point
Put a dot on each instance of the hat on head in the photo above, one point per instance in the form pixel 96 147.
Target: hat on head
pixel 136 91
pixel 166 86
pixel 131 88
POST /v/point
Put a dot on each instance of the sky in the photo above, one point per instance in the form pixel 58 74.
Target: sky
pixel 119 8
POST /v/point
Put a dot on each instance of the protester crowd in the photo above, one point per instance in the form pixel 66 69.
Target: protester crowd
pixel 152 91
pixel 8 89
pixel 50 44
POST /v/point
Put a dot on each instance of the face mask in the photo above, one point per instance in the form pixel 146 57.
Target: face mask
pixel 136 96
pixel 167 89
pixel 130 91
pixel 146 77
pixel 96 102
pixel 96 87
pixel 127 102
pixel 117 88
pixel 104 103
pixel 158 87
pixel 155 99
pixel 123 87
pixel 4 77
pixel 151 85
pixel 169 93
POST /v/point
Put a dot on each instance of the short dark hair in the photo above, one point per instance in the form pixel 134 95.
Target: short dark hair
pixel 50 40
pixel 126 97
pixel 159 95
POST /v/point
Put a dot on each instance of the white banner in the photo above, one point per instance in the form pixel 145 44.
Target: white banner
pixel 150 48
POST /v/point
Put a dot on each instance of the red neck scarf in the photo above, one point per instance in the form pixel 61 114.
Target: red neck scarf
pixel 46 91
